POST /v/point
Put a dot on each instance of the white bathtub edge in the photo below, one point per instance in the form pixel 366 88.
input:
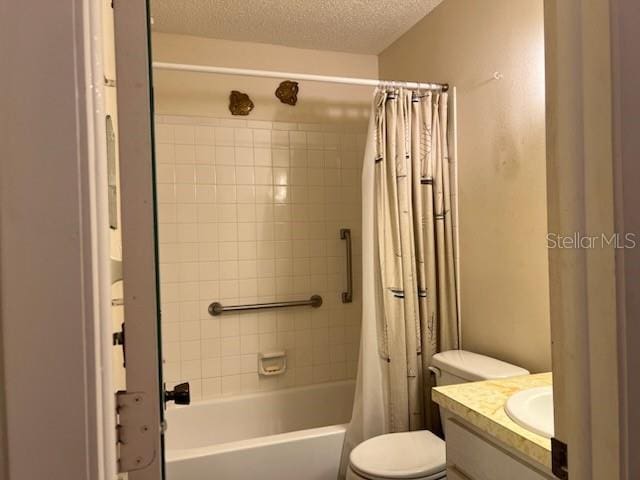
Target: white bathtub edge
pixel 185 454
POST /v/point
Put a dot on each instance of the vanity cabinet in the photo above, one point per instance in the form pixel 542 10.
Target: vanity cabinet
pixel 474 455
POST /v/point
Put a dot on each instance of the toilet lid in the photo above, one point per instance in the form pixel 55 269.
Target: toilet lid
pixel 400 455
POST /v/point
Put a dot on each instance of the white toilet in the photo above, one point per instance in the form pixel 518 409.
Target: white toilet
pixel 421 455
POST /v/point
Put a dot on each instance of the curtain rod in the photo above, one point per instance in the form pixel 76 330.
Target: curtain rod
pixel 298 76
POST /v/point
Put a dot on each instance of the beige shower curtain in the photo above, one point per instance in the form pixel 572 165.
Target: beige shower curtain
pixel 409 280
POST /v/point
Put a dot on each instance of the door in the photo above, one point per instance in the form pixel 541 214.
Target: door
pixel 584 318
pixel 140 407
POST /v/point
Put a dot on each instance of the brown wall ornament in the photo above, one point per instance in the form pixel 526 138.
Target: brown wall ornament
pixel 240 103
pixel 287 92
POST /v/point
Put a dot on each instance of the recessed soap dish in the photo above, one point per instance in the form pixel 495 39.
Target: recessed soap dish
pixel 272 363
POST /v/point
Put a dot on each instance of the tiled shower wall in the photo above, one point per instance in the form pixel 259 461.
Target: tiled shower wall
pixel 250 211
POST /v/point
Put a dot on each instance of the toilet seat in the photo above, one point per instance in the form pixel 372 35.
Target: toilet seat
pixel 407 455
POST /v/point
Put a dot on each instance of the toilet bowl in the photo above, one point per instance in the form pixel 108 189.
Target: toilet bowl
pixel 408 455
pixel 421 455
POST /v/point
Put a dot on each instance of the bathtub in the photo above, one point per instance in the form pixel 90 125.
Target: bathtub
pixel 292 434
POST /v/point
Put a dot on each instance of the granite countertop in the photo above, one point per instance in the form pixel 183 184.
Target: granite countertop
pixel 482 405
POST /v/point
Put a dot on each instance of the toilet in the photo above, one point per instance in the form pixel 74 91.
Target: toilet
pixel 421 455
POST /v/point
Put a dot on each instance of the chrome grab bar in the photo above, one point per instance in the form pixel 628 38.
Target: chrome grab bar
pixel 347 297
pixel 216 308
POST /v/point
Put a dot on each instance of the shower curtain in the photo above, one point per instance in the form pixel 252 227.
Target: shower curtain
pixel 409 276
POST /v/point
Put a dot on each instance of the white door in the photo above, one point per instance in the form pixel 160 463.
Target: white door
pixel 581 191
pixel 140 407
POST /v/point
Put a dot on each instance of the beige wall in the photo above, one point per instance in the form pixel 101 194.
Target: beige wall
pixel 180 93
pixel 501 150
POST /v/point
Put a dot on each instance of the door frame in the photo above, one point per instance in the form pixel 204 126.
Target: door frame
pixel 592 187
pixel 56 406
pixel 626 146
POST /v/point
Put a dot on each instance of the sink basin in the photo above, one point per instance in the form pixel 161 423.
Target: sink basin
pixel 533 409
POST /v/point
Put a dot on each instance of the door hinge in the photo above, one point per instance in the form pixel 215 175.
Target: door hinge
pixel 559 459
pixel 137 445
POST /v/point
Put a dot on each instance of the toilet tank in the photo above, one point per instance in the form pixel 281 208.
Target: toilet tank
pixel 460 366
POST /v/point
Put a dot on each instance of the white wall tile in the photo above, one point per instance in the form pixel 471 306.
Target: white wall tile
pixel 249 344
pixel 229 346
pixel 243 137
pixel 204 175
pixel 164 133
pixel 261 157
pixel 204 154
pixel 204 135
pixel 231 365
pixel 244 156
pixel 165 153
pixel 280 157
pixel 231 384
pixel 211 367
pixel 210 328
pixel 185 154
pixel 246 213
pixel 225 175
pixel 315 140
pixel 246 231
pixel 184 134
pixel 166 192
pixel 165 173
pixel 297 139
pixel 262 138
pixel 228 211
pixel 250 211
pixel 259 124
pixel 279 138
pixel 249 363
pixel 185 193
pixel 224 136
pixel 225 155
pixel 211 387
pixel 298 157
pixel 245 175
pixel 246 194
pixel 228 250
pixel 225 194
pixel 205 194
pixel 211 348
pixel 247 251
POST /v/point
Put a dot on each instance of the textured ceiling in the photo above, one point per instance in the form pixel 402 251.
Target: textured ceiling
pixel 358 26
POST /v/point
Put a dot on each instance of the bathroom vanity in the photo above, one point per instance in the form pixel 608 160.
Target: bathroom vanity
pixel 482 441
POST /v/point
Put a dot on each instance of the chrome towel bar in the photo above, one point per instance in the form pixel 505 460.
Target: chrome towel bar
pixel 216 308
pixel 347 297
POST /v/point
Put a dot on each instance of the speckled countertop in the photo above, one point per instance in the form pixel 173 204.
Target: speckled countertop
pixel 482 405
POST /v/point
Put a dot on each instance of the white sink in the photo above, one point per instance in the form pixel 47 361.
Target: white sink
pixel 532 409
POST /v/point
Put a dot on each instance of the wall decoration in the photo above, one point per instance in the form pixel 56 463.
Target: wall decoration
pixel 240 103
pixel 287 92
